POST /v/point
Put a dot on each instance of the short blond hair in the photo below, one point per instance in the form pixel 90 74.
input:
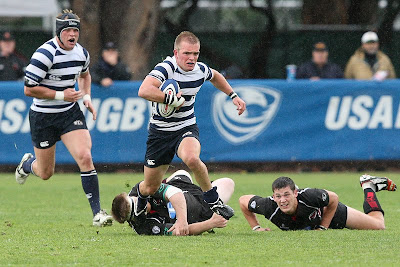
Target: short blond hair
pixel 186 36
pixel 120 208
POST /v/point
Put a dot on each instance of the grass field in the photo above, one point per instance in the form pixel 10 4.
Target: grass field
pixel 49 223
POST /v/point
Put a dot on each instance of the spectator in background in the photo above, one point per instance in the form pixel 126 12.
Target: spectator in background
pixel 109 68
pixel 11 65
pixel 319 67
pixel 368 62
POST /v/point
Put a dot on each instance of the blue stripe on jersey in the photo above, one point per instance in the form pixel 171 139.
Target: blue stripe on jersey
pixel 68 64
pixel 202 68
pixel 157 77
pixel 159 118
pixel 170 64
pixel 209 73
pixel 33 76
pixel 85 52
pixel 46 53
pixel 59 53
pixel 191 84
pixel 184 109
pixel 57 88
pixel 39 64
pixel 55 106
pixel 162 70
pixel 61 77
pixel 52 44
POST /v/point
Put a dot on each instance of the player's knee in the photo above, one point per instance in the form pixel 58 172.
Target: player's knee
pixel 192 161
pixel 149 189
pixel 380 226
pixel 85 159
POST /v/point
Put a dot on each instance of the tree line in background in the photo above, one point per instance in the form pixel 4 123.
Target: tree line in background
pixel 134 24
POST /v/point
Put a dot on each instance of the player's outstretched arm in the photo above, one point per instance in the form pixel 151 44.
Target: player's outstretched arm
pixel 216 221
pixel 178 201
pixel 329 211
pixel 250 216
pixel 219 81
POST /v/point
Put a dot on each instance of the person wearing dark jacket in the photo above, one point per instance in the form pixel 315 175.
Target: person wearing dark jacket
pixel 109 68
pixel 11 65
pixel 319 67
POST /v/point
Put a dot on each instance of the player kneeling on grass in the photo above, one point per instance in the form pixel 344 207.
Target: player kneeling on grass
pixel 306 209
pixel 176 199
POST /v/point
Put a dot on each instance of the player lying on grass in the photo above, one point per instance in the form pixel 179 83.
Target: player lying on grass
pixel 291 208
pixel 178 190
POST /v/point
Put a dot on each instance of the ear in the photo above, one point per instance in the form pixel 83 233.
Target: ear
pixel 296 192
pixel 175 52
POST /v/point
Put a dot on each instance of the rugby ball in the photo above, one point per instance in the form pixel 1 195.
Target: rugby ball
pixel 170 87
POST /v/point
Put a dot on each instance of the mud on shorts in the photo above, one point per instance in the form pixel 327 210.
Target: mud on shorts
pixel 47 128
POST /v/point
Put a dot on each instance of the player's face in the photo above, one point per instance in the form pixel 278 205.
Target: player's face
pixel 186 55
pixel 286 199
pixel 69 38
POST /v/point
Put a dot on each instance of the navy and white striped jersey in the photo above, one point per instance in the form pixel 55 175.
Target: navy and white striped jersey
pixel 57 69
pixel 190 83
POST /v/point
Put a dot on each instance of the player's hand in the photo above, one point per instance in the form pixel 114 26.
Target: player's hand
pixel 88 104
pixel 175 101
pixel 180 228
pixel 262 229
pixel 218 221
pixel 240 104
pixel 71 95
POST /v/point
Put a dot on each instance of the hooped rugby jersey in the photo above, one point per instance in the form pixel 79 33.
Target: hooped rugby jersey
pixel 311 203
pixel 190 83
pixel 57 69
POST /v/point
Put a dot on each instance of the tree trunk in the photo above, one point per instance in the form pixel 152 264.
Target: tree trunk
pixel 90 33
pixel 363 12
pixel 324 12
pixel 137 35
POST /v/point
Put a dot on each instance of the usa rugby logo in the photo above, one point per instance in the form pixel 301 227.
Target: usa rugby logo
pixel 262 103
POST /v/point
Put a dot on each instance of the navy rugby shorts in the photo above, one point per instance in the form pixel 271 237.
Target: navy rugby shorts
pixel 163 145
pixel 47 128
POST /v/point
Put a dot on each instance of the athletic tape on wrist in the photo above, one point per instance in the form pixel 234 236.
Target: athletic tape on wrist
pixel 87 98
pixel 59 95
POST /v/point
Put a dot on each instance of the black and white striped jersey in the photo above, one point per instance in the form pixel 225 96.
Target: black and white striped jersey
pixel 190 83
pixel 57 69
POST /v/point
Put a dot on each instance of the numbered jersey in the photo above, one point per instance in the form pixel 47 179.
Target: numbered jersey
pixel 57 69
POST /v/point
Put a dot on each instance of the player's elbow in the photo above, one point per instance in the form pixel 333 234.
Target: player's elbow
pixel 142 92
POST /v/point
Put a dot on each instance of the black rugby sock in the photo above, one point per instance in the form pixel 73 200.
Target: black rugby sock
pixel 90 184
pixel 371 202
pixel 142 200
pixel 211 196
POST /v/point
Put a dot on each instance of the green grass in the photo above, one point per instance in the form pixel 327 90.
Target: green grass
pixel 49 223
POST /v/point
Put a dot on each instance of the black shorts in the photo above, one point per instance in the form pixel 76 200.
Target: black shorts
pixel 47 128
pixel 340 218
pixel 162 145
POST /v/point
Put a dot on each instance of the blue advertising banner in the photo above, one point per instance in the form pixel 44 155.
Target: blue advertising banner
pixel 284 121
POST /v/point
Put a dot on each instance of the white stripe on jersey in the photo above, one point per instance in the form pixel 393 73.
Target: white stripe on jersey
pixel 57 69
pixel 189 82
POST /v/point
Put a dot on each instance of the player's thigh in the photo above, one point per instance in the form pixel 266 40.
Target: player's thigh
pixel 45 159
pixel 359 220
pixel 152 179
pixel 189 147
pixel 79 144
pixel 225 187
